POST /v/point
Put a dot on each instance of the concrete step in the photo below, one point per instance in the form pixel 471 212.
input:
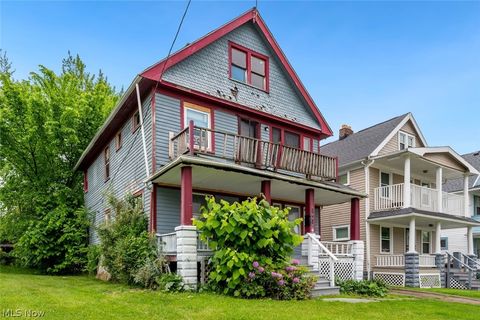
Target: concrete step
pixel 324 291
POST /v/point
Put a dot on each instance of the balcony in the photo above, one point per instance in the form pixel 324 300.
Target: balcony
pixel 422 198
pixel 257 153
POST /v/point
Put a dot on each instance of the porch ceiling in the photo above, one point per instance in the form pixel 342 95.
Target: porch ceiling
pixel 213 176
pixel 423 219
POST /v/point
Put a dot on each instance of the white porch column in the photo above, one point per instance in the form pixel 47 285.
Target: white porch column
pixel 406 183
pixel 470 241
pixel 465 196
pixel 438 183
pixel 438 231
pixel 411 236
pixel 358 256
pixel 187 255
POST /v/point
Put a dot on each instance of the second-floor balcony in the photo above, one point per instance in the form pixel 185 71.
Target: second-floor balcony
pixel 257 153
pixel 422 198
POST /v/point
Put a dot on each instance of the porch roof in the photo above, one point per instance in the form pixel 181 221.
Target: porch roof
pixel 225 177
pixel 424 219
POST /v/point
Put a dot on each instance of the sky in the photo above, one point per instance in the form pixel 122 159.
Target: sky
pixel 362 62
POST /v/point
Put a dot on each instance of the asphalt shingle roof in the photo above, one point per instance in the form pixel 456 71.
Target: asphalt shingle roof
pixel 360 144
pixel 453 185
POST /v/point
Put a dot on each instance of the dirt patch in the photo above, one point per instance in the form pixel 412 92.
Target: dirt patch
pixel 437 296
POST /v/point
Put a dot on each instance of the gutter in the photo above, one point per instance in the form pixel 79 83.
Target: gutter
pixel 366 164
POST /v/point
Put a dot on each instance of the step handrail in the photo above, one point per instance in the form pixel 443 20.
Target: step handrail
pixel 322 246
pixel 470 270
pixel 475 262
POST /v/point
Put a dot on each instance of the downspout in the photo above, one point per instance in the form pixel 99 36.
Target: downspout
pixel 367 163
pixel 143 131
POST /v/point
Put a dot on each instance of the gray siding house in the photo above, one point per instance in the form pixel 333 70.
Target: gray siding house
pixel 224 116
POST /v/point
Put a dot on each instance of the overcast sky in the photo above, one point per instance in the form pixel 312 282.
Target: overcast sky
pixel 362 62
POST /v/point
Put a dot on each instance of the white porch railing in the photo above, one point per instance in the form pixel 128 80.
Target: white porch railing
pixel 423 198
pixel 390 260
pixel 339 248
pixel 426 260
pixel 167 242
pixel 312 239
pixel 398 260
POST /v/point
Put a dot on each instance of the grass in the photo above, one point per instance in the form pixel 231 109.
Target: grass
pixel 82 297
pixel 453 292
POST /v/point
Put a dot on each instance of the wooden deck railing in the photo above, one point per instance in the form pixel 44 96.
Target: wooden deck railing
pixel 240 149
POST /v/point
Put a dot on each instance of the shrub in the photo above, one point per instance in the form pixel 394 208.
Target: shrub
pixel 93 257
pixel 372 288
pixel 56 243
pixel 148 275
pixel 125 243
pixel 6 258
pixel 244 233
pixel 170 282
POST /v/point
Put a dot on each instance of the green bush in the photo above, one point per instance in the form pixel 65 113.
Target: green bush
pixel 244 233
pixel 372 288
pixel 56 243
pixel 149 274
pixel 93 259
pixel 6 258
pixel 170 282
pixel 125 244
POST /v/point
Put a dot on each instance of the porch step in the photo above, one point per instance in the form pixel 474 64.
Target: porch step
pixel 462 277
pixel 324 291
pixel 322 286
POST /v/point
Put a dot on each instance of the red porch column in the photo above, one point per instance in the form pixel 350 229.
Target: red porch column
pixel 355 219
pixel 186 196
pixel 266 190
pixel 309 211
pixel 153 209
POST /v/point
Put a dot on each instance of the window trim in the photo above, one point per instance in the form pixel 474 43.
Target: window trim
pixel 391 240
pixel 207 110
pixel 348 178
pixel 136 125
pixel 429 241
pixel 107 215
pixel 302 136
pixel 390 183
pixel 407 135
pixel 118 141
pixel 446 242
pixel 106 162
pixel 85 180
pixel 334 229
pixel 249 53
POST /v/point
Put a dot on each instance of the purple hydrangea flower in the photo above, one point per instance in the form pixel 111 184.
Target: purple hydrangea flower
pixel 281 283
pixel 260 269
pixel 274 274
pixel 295 262
pixel 290 268
pixel 296 280
pixel 256 264
pixel 251 275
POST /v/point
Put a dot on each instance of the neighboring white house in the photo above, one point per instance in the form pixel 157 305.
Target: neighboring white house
pixel 455 240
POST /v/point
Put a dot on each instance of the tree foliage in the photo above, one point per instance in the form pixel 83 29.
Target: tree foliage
pixel 46 121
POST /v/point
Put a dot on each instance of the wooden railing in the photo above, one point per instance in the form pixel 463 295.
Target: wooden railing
pixel 390 260
pixel 339 248
pixel 388 197
pixel 424 198
pixel 260 153
pixel 453 204
pixel 426 260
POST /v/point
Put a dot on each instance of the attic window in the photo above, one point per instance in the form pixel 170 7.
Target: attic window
pixel 405 141
pixel 248 66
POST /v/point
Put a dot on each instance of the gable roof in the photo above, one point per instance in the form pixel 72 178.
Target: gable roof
pixel 361 144
pixel 453 185
pixel 155 71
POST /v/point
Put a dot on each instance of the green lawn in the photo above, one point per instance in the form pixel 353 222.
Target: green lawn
pixel 453 292
pixel 82 297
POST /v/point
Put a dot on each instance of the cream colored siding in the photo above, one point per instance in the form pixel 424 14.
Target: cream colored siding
pixel 337 215
pixel 392 144
pixel 445 160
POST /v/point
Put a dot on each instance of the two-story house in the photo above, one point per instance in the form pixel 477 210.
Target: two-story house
pixel 457 240
pixel 406 211
pixel 226 116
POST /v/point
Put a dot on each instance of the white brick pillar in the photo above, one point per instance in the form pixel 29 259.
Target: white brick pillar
pixel 311 250
pixel 187 255
pixel 358 256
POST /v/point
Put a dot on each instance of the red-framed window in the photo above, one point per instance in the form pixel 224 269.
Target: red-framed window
pixel 135 121
pixel 202 117
pixel 106 158
pixel 291 138
pixel 118 140
pixel 85 181
pixel 248 66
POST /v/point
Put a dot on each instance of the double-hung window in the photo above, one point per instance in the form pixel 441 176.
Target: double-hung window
pixel 341 233
pixel 201 118
pixel 426 242
pixel 385 182
pixel 106 158
pixel 385 240
pixel 248 67
pixel 405 141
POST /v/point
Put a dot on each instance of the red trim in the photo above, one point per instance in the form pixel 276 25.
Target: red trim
pixel 186 197
pixel 355 219
pixel 135 125
pixel 85 181
pixel 154 157
pixel 249 54
pixel 309 211
pixel 154 72
pixel 212 118
pixel 153 209
pixel 266 188
pixel 118 142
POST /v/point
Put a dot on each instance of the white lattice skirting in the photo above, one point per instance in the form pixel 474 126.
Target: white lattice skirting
pixel 390 278
pixel 430 280
pixel 455 284
pixel 343 268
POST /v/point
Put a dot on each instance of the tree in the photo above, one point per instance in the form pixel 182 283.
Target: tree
pixel 46 121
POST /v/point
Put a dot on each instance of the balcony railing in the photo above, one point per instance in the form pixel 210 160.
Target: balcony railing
pixel 423 198
pixel 246 150
pixel 168 244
